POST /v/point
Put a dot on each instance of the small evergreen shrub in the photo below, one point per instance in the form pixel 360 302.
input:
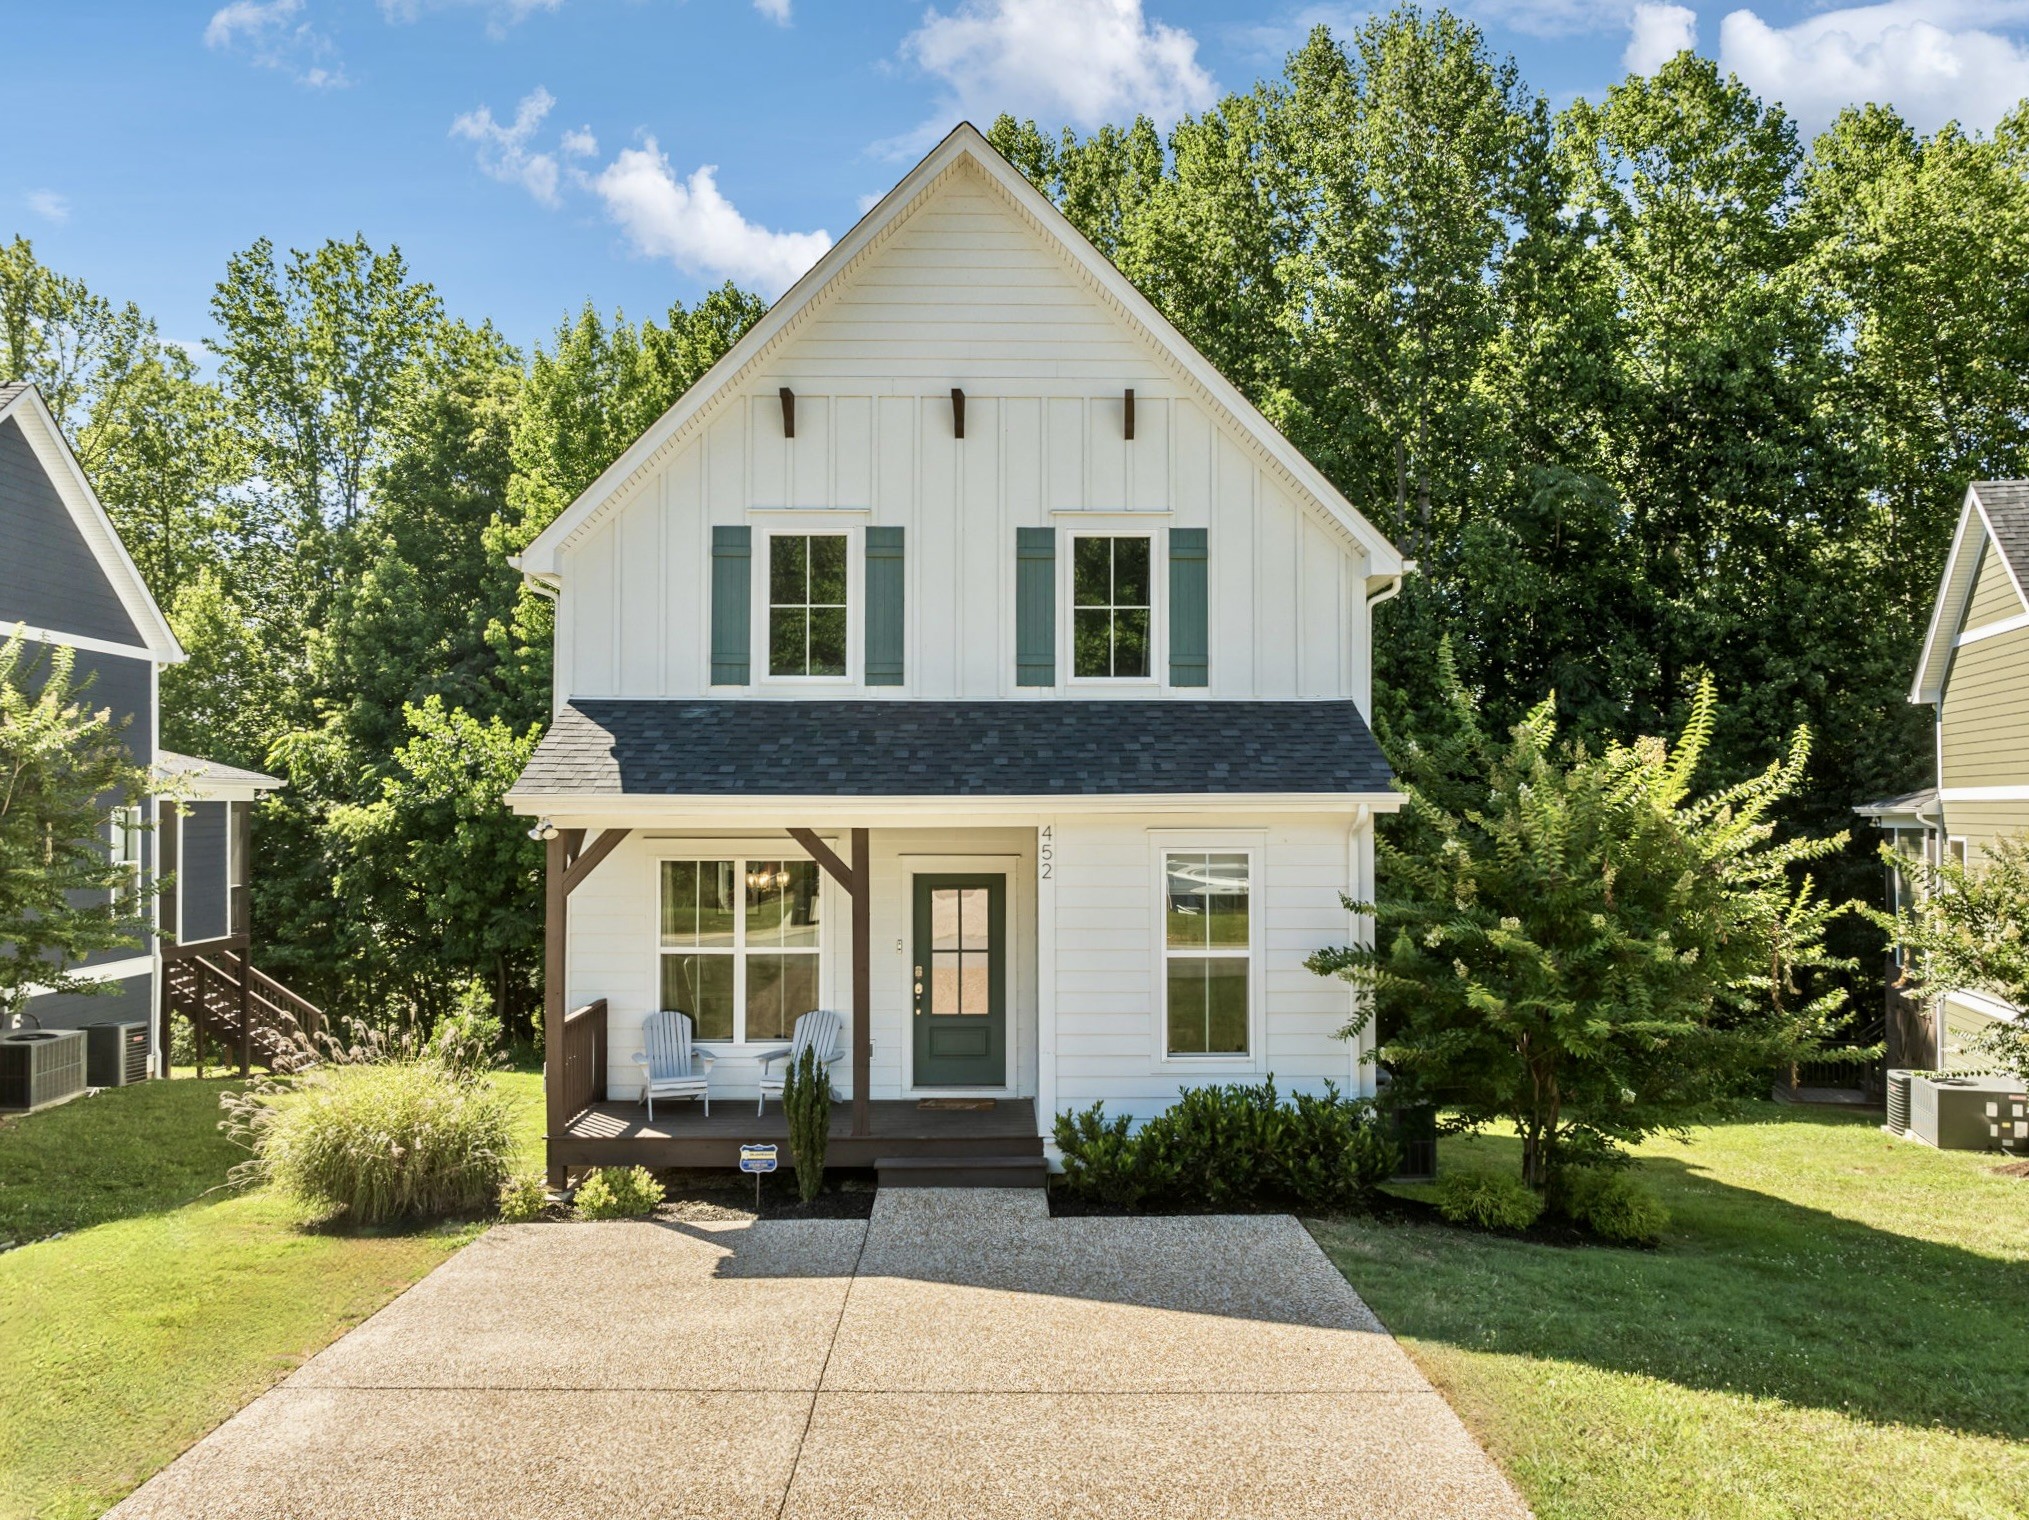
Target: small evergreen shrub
pixel 1235 1146
pixel 1615 1204
pixel 524 1198
pixel 806 1103
pixel 1488 1200
pixel 377 1142
pixel 618 1192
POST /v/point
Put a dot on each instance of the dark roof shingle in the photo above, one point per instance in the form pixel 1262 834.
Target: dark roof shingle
pixel 677 747
pixel 2006 503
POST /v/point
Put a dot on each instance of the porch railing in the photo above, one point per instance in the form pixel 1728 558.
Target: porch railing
pixel 580 1053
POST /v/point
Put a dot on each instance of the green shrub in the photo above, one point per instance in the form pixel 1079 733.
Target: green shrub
pixel 1488 1200
pixel 618 1192
pixel 1235 1146
pixel 806 1103
pixel 524 1197
pixel 1614 1203
pixel 1099 1157
pixel 377 1142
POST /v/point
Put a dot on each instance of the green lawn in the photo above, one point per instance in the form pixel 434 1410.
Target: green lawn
pixel 172 1301
pixel 1837 1326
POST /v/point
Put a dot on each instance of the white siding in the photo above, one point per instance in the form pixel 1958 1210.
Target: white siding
pixel 965 293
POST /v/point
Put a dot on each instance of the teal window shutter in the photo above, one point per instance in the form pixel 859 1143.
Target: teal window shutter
pixel 1189 609
pixel 732 593
pixel 1035 606
pixel 884 607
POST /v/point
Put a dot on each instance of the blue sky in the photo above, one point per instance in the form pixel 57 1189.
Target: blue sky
pixel 528 155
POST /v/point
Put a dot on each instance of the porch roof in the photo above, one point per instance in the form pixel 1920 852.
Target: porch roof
pixel 730 748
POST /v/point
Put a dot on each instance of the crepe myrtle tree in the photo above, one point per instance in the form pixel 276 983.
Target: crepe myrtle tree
pixel 1968 931
pixel 1576 943
pixel 65 890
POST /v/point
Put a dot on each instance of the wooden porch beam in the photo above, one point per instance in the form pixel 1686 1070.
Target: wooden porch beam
pixel 826 857
pixel 587 860
pixel 555 935
pixel 862 982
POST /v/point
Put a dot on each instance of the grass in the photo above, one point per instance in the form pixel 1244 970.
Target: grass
pixel 1837 1325
pixel 171 1301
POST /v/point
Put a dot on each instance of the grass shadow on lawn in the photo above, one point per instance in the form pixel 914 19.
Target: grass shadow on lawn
pixel 1877 1280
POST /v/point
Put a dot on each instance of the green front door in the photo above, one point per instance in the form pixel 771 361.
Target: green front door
pixel 960 981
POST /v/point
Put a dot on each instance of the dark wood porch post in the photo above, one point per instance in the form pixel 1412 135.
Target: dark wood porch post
pixel 556 904
pixel 862 982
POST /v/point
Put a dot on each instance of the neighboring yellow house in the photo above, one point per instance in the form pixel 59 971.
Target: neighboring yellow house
pixel 1975 673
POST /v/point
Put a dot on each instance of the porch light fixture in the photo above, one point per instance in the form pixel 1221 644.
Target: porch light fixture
pixel 761 881
pixel 543 830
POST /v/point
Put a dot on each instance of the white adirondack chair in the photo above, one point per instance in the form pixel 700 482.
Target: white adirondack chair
pixel 670 1067
pixel 820 1030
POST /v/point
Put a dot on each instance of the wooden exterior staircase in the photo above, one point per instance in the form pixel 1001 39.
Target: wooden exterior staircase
pixel 232 1004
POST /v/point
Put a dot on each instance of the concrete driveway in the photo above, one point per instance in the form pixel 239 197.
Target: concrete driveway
pixel 961 1354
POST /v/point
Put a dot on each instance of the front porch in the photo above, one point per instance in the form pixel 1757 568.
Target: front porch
pixel 683 1135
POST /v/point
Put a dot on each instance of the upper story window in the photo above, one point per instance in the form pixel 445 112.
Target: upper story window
pixel 1111 606
pixel 807 604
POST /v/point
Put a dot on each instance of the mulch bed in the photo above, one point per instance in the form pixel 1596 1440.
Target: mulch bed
pixel 713 1196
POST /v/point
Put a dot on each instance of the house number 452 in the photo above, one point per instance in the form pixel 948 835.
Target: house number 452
pixel 1046 851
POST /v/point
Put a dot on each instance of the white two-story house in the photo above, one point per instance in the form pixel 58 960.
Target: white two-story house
pixel 966 655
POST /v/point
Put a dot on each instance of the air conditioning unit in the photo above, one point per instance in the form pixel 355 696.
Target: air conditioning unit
pixel 116 1053
pixel 1898 1102
pixel 39 1067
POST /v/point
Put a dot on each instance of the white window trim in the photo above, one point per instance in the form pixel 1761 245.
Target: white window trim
pixel 124 850
pixel 855 610
pixel 1254 845
pixel 742 853
pixel 1157 678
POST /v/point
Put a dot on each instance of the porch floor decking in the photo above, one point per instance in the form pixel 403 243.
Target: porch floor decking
pixel 619 1133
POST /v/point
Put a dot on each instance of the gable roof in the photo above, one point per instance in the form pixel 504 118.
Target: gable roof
pixel 22 402
pixel 1996 512
pixel 964 144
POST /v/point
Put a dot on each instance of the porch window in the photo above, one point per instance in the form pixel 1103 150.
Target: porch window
pixel 807 604
pixel 740 942
pixel 1111 606
pixel 1207 951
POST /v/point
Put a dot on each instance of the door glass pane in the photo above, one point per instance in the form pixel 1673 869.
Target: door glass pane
pixel 780 990
pixel 943 991
pixel 975 984
pixel 944 918
pixel 973 920
pixel 701 986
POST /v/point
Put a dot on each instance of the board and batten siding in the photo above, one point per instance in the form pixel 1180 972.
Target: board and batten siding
pixel 964 294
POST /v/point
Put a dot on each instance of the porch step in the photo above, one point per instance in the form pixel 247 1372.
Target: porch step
pixel 962 1171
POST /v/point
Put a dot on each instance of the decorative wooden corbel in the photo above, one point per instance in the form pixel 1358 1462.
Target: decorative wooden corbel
pixel 1127 414
pixel 957 412
pixel 788 412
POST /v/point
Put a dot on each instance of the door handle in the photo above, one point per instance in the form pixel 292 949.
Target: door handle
pixel 919 992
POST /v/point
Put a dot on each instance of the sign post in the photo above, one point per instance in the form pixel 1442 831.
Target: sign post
pixel 757 1159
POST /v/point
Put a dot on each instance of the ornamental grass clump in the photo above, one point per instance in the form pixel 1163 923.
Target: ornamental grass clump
pixel 378 1142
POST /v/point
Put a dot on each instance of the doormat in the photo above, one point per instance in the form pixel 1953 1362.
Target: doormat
pixel 956 1102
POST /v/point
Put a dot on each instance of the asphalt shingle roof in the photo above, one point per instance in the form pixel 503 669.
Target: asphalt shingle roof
pixel 675 747
pixel 2006 503
pixel 216 772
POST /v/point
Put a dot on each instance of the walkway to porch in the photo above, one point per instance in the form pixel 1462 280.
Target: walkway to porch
pixel 620 1134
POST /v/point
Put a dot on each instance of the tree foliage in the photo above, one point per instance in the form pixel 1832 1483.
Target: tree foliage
pixel 1579 943
pixel 64 769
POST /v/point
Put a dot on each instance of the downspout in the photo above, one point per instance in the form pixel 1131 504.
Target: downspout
pixel 1374 599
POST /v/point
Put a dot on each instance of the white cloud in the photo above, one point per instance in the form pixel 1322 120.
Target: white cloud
pixel 50 206
pixel 776 11
pixel 501 14
pixel 277 35
pixel 1933 60
pixel 692 224
pixel 1656 34
pixel 1080 62
pixel 504 150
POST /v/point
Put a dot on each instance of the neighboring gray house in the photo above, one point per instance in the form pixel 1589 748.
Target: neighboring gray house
pixel 66 579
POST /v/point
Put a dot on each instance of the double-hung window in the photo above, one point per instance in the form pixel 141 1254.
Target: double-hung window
pixel 124 851
pixel 1112 606
pixel 740 941
pixel 807 604
pixel 1208 952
